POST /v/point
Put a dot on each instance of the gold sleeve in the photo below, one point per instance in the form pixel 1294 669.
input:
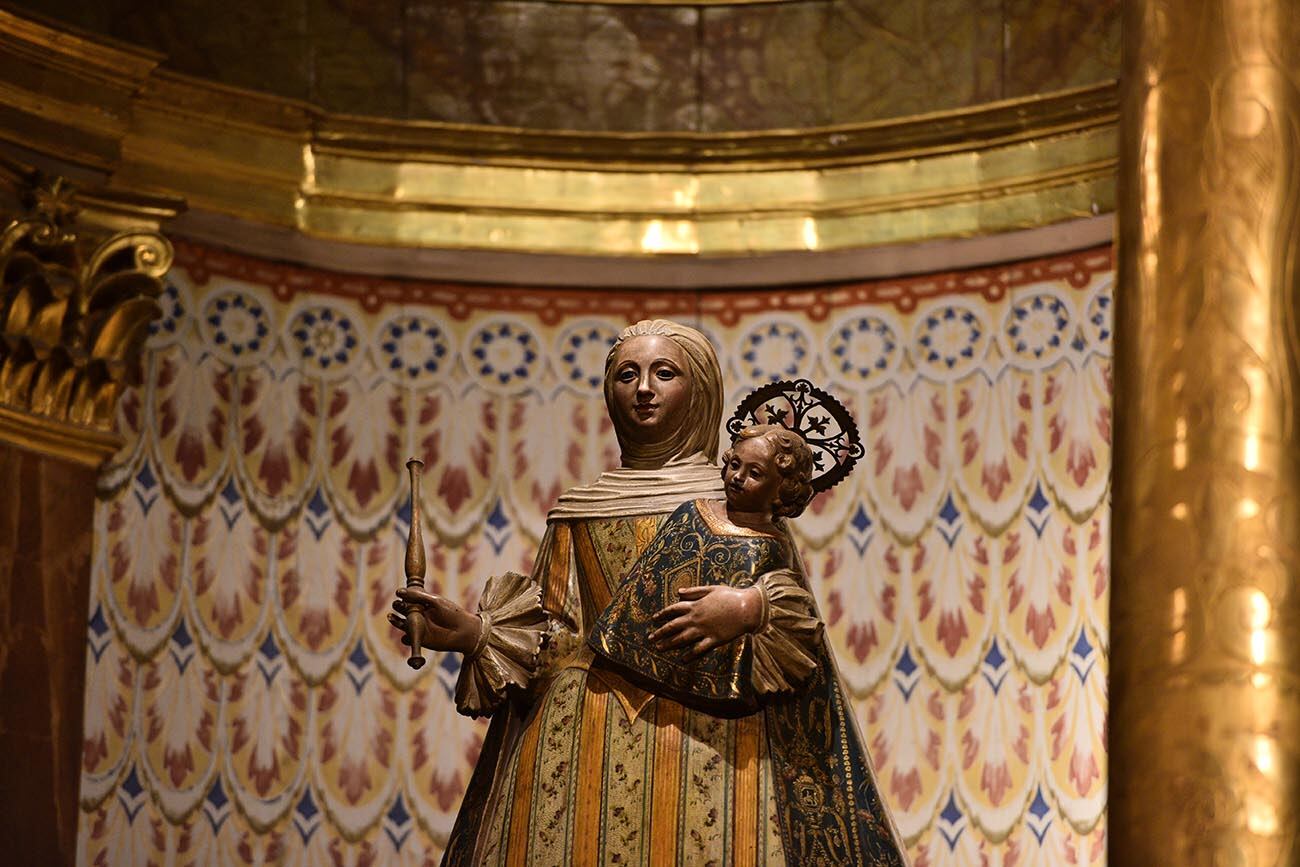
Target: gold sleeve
pixel 508 645
pixel 785 645
pixel 528 623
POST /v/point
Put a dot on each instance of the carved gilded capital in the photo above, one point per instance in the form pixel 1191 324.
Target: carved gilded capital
pixel 80 275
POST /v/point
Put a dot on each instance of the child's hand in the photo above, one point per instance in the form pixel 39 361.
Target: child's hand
pixel 708 617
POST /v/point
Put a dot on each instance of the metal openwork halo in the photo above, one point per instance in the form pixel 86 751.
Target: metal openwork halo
pixel 823 422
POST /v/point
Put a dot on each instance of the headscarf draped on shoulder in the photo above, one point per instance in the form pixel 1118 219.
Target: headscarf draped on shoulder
pixel 659 477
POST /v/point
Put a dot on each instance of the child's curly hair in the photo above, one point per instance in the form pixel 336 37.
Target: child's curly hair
pixel 793 459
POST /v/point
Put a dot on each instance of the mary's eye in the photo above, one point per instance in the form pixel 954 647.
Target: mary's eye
pixel 666 373
pixel 627 375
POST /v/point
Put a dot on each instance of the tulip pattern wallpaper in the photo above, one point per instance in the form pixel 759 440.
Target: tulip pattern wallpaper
pixel 248 703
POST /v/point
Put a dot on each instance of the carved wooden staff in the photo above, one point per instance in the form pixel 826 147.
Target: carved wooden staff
pixel 415 566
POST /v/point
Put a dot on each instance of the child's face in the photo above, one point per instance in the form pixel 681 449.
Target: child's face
pixel 751 477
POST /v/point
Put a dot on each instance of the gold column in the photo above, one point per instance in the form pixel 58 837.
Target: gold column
pixel 1205 718
pixel 80 272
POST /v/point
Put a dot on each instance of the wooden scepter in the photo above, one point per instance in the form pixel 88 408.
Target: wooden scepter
pixel 415 566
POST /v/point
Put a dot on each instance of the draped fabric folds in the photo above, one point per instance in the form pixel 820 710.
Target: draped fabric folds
pixel 583 765
pixel 511 638
pixel 626 491
pixel 785 647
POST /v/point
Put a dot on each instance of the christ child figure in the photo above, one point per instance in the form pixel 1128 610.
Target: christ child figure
pixel 712 613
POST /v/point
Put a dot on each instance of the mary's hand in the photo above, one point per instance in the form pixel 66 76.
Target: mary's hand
pixel 708 617
pixel 447 626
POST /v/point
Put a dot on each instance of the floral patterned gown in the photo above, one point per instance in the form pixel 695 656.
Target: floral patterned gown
pixel 580 766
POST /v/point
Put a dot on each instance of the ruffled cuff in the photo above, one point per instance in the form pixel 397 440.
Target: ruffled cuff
pixel 785 645
pixel 509 641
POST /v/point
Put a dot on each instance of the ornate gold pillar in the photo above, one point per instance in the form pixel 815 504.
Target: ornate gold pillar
pixel 79 275
pixel 1205 616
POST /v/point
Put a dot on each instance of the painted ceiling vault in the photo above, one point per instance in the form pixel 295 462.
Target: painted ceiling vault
pixel 631 67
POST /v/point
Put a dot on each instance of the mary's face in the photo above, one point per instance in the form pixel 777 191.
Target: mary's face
pixel 651 388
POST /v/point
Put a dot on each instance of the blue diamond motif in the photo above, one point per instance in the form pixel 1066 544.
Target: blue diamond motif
pixel 1039 808
pixel 949 511
pixel 1082 648
pixel 905 663
pixel 498 520
pixel 994 658
pixel 358 656
pixel 951 814
pixel 860 521
pixel 404 512
pixel 306 807
pixel 318 506
pixel 398 815
pixel 97 624
pixel 131 785
pixel 216 795
pixel 230 493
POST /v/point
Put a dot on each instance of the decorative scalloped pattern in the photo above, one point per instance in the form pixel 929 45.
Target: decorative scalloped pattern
pixel 246 699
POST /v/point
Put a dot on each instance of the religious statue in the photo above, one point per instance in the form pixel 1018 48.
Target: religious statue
pixel 660 687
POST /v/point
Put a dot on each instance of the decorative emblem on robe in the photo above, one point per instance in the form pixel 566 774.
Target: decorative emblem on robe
pixel 690 550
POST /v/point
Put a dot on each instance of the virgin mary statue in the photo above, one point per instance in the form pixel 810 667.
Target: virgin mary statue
pixel 582 766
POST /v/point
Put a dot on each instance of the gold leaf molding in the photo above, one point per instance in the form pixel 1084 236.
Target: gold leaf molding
pixel 275 163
